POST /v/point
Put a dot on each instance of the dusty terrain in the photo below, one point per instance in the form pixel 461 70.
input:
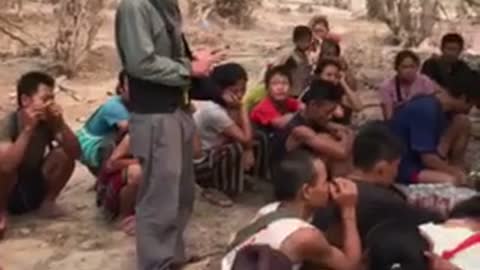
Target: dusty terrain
pixel 83 240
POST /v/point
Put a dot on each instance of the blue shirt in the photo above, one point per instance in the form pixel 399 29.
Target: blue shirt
pixel 420 124
pixel 105 119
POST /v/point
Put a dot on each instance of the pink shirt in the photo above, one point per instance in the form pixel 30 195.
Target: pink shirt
pixel 421 86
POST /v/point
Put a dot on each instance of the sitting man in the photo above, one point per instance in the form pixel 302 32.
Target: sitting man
pixel 37 151
pixel 310 128
pixel 435 134
pixel 284 226
pixel 442 69
pixel 376 156
pixel 105 127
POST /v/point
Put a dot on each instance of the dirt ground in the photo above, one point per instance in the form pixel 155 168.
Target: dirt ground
pixel 83 240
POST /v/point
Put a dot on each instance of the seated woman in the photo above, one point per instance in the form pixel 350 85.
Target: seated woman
pixel 331 70
pixel 226 137
pixel 310 129
pixel 117 185
pixel 276 110
pixel 406 84
pixel 301 186
pixel 105 126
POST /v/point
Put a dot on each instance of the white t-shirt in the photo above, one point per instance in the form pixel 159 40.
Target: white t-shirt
pixel 448 238
pixel 273 235
pixel 211 120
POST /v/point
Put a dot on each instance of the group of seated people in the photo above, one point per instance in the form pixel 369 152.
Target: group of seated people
pixel 324 222
pixel 295 130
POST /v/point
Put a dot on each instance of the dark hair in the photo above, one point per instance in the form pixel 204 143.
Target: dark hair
pixel 321 90
pixel 291 173
pixel 29 82
pixel 228 74
pixel 405 54
pixel 396 245
pixel 277 70
pixel 319 19
pixel 300 32
pixel 467 209
pixel 122 79
pixel 332 43
pixel 453 38
pixel 374 143
pixel 324 63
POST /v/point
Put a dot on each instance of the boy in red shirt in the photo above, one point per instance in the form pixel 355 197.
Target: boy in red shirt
pixel 275 110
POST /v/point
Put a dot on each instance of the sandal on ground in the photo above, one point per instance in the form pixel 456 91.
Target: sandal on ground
pixel 217 198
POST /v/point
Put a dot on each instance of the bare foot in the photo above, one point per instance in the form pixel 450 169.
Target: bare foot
pixel 128 225
pixel 51 210
pixel 3 225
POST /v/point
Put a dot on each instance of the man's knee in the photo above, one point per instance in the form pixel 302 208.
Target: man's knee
pixel 58 160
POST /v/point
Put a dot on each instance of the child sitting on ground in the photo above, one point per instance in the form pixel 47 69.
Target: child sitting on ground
pixel 105 127
pixel 117 185
pixel 226 137
pixel 296 61
pixel 310 128
pixel 276 110
pixel 302 186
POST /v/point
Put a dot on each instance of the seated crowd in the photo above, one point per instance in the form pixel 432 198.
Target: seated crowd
pixel 393 194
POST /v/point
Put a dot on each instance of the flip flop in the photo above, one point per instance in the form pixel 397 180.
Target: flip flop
pixel 217 198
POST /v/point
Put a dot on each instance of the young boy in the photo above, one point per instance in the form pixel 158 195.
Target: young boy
pixel 435 134
pixel 105 127
pixel 284 226
pixel 297 61
pixel 310 127
pixel 37 151
pixel 302 70
pixel 376 156
pixel 442 69
pixel 226 135
pixel 276 110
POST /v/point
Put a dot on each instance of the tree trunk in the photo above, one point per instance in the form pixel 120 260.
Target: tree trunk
pixel 78 25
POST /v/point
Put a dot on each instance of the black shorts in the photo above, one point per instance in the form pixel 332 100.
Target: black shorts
pixel 28 193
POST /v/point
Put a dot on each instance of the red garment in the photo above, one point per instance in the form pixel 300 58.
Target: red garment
pixel 265 111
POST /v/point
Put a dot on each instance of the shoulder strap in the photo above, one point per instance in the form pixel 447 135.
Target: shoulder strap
pixel 258 225
pixel 468 243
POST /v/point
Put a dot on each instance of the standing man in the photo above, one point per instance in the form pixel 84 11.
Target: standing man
pixel 160 70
